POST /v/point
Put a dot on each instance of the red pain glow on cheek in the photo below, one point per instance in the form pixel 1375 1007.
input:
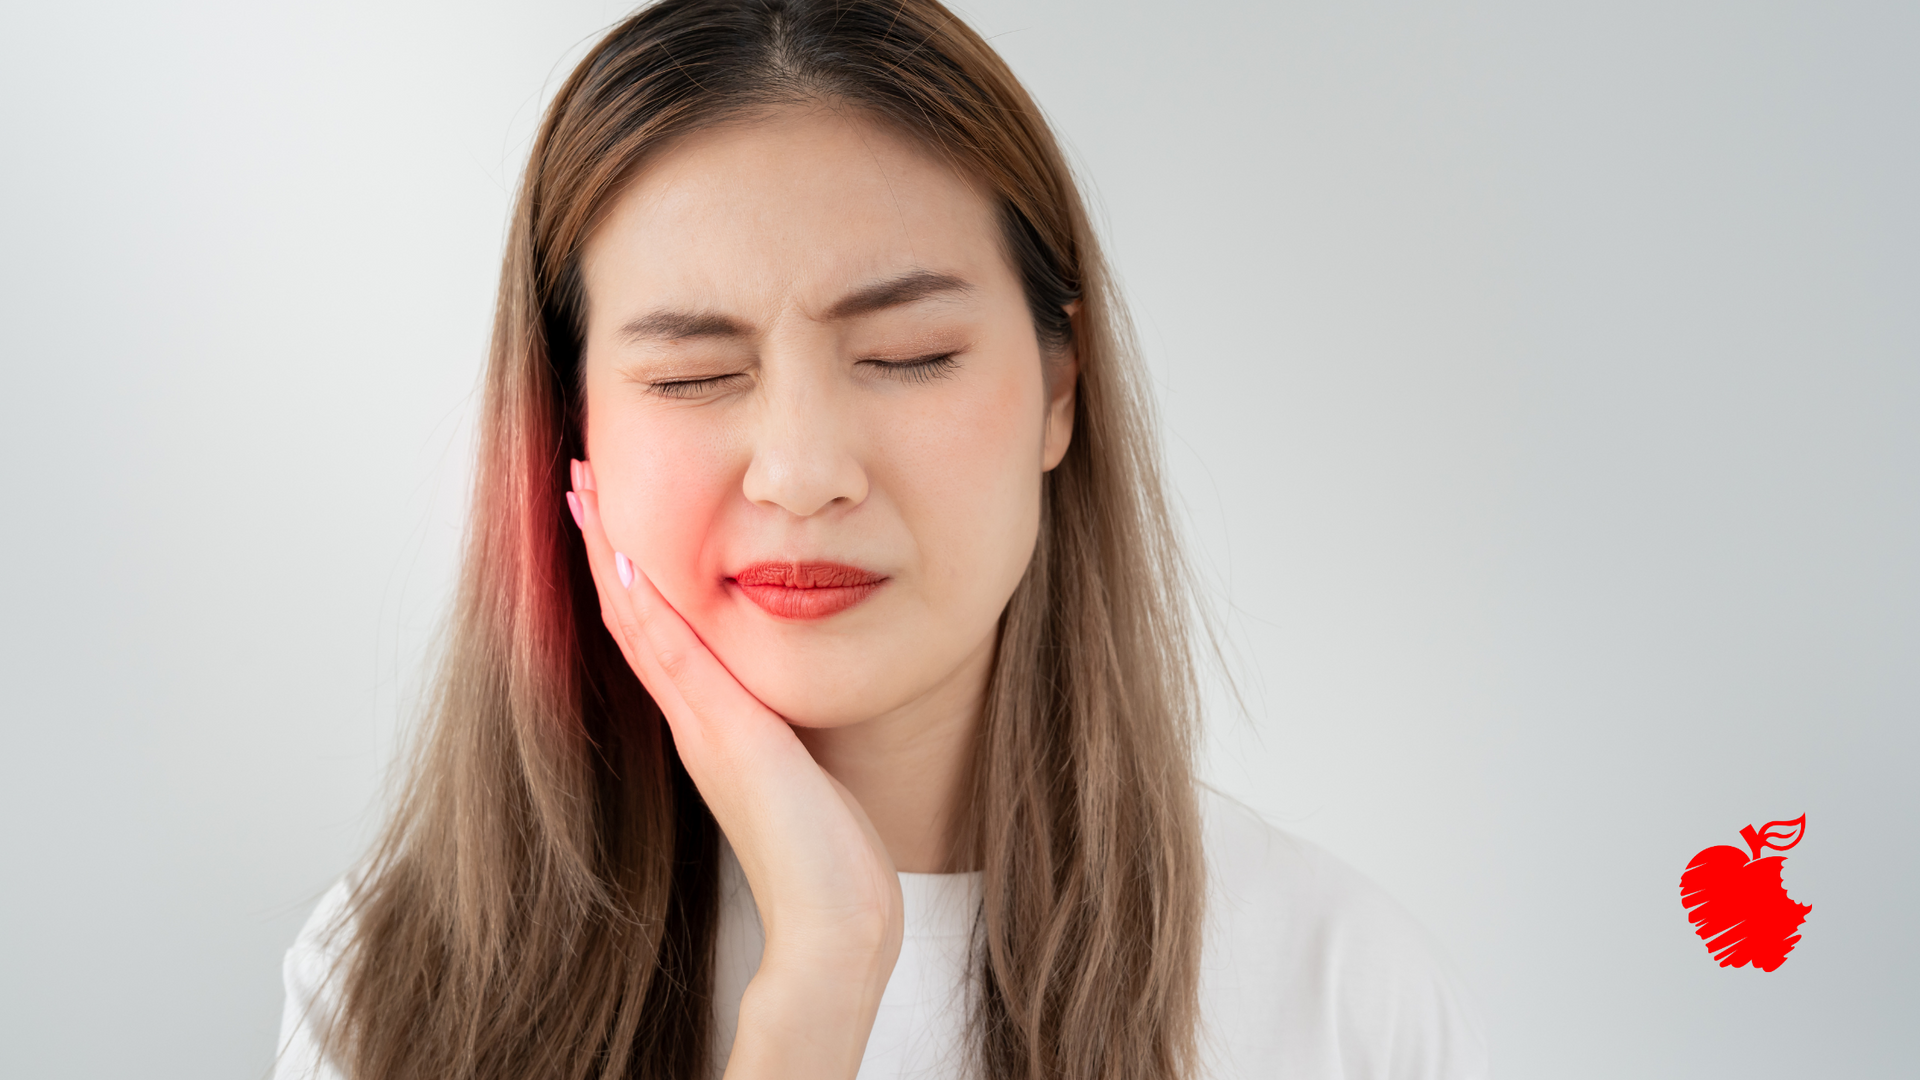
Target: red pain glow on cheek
pixel 667 519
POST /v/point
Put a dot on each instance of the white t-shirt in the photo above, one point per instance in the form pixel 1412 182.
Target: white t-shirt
pixel 1309 972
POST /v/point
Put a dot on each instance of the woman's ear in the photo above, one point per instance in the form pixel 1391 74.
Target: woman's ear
pixel 1063 381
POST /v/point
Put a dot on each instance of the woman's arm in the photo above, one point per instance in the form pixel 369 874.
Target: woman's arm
pixel 825 886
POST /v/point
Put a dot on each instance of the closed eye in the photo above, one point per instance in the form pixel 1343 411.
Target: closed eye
pixel 919 369
pixel 686 388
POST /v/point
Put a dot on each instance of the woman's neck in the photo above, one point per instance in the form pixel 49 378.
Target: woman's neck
pixel 908 768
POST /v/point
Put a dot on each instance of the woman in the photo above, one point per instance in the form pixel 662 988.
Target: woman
pixel 818 699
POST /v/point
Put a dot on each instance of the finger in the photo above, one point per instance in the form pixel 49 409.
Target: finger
pixel 671 648
pixel 616 606
pixel 667 646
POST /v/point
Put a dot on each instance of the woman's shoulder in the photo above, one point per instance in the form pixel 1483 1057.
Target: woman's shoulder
pixel 311 972
pixel 325 925
pixel 1311 970
pixel 314 957
pixel 1312 890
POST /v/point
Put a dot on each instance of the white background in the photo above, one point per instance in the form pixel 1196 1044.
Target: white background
pixel 1541 384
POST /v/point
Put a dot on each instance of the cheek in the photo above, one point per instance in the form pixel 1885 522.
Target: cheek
pixel 662 482
pixel 973 493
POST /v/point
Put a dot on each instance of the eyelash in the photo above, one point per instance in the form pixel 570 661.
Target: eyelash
pixel 685 388
pixel 924 369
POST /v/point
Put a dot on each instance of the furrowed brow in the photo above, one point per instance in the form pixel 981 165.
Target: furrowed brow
pixel 905 289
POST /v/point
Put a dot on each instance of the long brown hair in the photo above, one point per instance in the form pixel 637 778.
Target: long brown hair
pixel 543 902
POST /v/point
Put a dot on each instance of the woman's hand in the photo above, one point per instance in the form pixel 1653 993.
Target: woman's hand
pixel 828 894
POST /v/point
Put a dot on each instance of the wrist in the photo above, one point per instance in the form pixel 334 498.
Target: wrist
pixel 807 1013
pixel 837 967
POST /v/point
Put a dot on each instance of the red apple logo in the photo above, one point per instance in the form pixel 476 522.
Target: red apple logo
pixel 1739 906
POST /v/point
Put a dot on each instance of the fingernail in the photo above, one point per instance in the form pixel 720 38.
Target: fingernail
pixel 573 504
pixel 586 477
pixel 625 566
pixel 573 472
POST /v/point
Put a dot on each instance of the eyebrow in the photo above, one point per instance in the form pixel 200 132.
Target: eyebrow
pixel 679 325
pixel 905 289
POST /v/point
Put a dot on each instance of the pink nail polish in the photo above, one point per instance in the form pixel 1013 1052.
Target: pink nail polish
pixel 573 504
pixel 625 566
pixel 586 477
pixel 573 472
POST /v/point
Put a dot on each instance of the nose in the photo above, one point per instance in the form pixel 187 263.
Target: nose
pixel 805 456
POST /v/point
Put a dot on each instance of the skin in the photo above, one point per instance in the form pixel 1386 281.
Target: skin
pixel 756 393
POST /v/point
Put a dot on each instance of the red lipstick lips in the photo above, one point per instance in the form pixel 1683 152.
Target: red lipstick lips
pixel 811 590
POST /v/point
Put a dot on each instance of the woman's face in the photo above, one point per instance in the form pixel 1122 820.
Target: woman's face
pixel 817 412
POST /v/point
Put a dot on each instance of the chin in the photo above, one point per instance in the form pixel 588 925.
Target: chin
pixel 820 684
pixel 808 696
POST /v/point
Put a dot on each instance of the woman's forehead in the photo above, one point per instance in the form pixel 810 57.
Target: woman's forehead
pixel 806 203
